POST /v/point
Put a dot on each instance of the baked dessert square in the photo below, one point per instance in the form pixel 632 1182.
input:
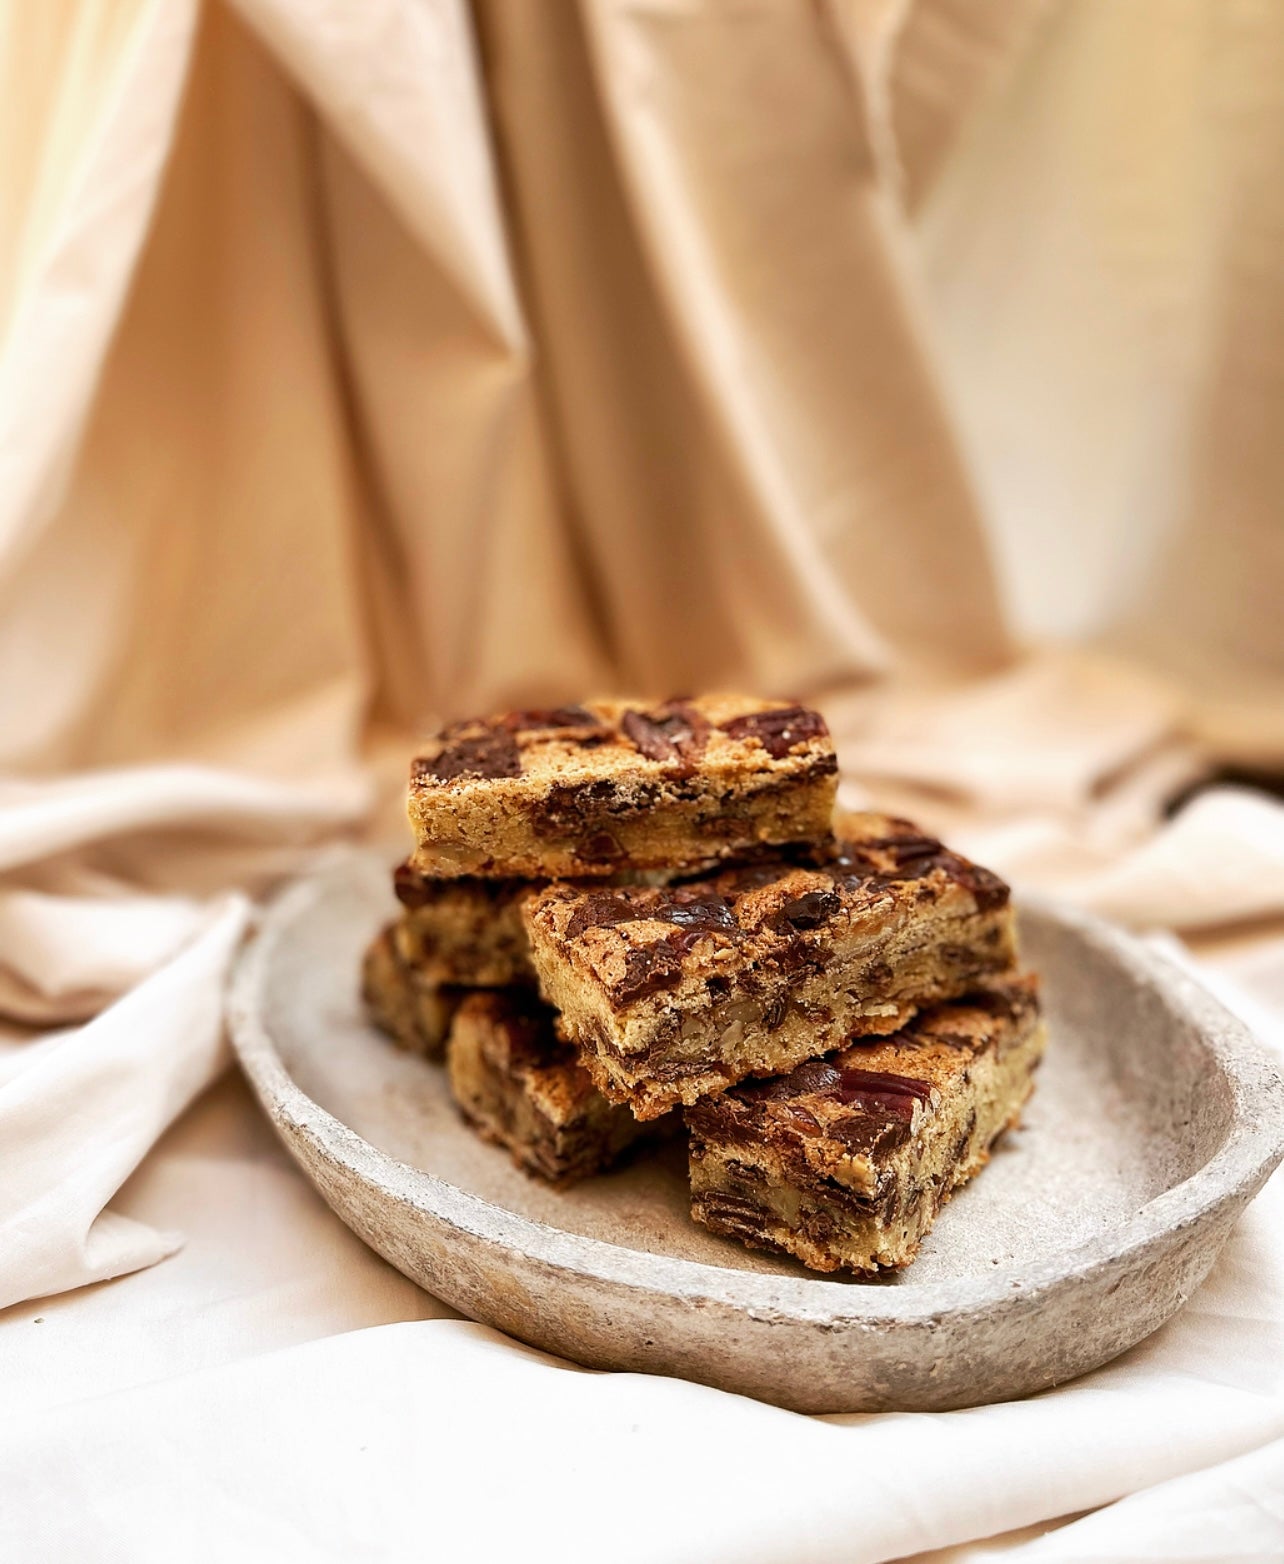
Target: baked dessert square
pixel 845 1162
pixel 519 1086
pixel 413 1010
pixel 467 931
pixel 617 785
pixel 674 992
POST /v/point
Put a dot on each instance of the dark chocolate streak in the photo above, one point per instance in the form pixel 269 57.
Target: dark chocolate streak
pixel 583 808
pixel 487 747
pixel 689 907
pixel 488 754
pixel 892 1096
pixel 869 1091
pixel 648 970
pixel 740 1217
pixel 600 910
pixel 696 909
pixel 778 731
pixel 989 890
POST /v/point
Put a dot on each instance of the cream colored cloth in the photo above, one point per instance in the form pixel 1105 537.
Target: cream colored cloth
pixel 365 363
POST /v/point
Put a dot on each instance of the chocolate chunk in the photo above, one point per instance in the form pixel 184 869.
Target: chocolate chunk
pixel 870 1134
pixel 672 732
pixel 869 1091
pixel 731 1213
pixel 874 1092
pixel 807 911
pixel 489 753
pixel 602 910
pixel 778 731
pixel 694 909
pixel 816 1076
pixel 915 860
pixel 889 860
pixel 569 806
pixel 583 809
pixel 648 970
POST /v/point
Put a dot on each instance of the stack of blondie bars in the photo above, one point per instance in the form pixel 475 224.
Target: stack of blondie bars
pixel 625 919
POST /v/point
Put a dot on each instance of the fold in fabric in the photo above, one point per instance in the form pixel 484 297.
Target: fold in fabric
pixel 341 1448
pixel 66 957
pixel 88 1106
pixel 1236 1507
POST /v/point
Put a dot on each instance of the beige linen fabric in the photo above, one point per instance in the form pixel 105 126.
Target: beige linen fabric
pixel 366 363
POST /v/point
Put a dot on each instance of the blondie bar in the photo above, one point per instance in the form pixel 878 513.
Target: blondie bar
pixel 519 1086
pixel 618 785
pixel 846 1161
pixel 674 992
pixel 414 1010
pixel 467 931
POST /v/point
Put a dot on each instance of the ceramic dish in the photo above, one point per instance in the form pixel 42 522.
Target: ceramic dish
pixel 1157 1118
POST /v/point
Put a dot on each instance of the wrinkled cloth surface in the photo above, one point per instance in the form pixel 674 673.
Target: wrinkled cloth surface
pixel 363 365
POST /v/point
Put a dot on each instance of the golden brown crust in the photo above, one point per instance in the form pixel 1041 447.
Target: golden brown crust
pixel 614 785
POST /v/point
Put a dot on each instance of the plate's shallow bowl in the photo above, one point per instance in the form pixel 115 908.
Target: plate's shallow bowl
pixel 1156 1120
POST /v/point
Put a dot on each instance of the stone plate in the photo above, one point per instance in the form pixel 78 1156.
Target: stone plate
pixel 1157 1118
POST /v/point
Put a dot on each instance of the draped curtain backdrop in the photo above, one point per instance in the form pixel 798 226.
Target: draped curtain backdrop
pixel 364 364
